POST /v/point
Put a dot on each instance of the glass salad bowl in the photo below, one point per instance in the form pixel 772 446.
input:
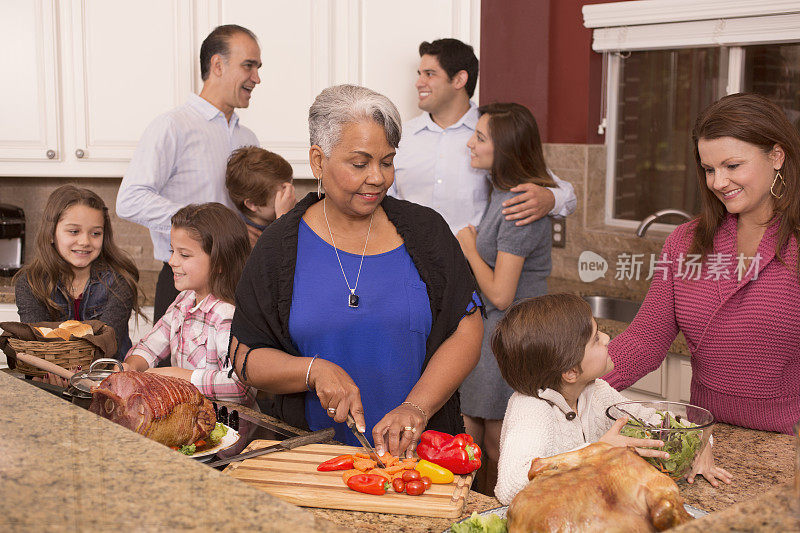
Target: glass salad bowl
pixel 684 428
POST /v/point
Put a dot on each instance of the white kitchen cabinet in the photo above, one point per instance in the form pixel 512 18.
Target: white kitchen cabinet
pixel 307 45
pixel 29 130
pixel 88 76
pixel 671 381
pixel 652 384
pixel 8 313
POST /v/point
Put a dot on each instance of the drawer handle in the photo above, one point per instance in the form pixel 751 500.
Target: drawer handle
pixel 79 153
pixel 51 154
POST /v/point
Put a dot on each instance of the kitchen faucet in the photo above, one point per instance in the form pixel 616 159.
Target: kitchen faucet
pixel 642 229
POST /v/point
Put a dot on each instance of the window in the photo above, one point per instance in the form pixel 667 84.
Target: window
pixel 666 62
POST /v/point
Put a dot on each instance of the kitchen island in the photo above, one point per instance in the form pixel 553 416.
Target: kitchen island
pixel 758 499
pixel 63 468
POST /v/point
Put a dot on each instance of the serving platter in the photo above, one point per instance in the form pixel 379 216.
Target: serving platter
pixel 230 438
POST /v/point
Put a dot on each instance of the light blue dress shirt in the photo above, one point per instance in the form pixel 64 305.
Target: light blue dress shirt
pixel 432 168
pixel 180 160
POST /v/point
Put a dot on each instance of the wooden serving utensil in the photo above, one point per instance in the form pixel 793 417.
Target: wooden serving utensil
pixel 47 366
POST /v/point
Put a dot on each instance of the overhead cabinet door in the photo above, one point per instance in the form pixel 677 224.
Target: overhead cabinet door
pixel 130 61
pixel 29 128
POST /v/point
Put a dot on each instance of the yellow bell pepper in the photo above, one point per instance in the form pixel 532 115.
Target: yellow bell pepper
pixel 438 474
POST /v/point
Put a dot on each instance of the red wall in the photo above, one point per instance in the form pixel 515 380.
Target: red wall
pixel 538 53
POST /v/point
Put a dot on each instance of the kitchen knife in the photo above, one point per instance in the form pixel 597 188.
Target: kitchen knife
pixel 351 423
pixel 317 436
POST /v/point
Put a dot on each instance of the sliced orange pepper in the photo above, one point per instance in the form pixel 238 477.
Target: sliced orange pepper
pixel 394 469
pixel 409 463
pixel 347 474
pixel 363 464
pixel 381 472
pixel 389 459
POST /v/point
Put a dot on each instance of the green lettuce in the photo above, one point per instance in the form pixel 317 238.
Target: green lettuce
pixel 476 523
pixel 188 449
pixel 682 446
pixel 219 431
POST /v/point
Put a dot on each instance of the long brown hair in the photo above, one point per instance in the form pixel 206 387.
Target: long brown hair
pixel 539 339
pixel 518 155
pixel 753 119
pixel 223 236
pixel 48 268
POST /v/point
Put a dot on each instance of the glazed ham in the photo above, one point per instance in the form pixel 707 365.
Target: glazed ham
pixel 596 488
pixel 168 410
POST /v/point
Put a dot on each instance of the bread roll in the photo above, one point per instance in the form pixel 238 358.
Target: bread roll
pixel 43 330
pixel 58 334
pixel 73 327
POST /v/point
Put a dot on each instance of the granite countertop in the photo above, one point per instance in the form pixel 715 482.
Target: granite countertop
pixel 66 469
pixel 63 468
pixel 761 463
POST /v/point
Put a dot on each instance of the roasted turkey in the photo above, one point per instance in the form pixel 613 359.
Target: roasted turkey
pixel 168 410
pixel 597 488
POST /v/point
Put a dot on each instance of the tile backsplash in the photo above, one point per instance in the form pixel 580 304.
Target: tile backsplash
pixel 582 165
pixel 585 167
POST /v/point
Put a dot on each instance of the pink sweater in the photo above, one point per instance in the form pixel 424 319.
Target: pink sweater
pixel 744 336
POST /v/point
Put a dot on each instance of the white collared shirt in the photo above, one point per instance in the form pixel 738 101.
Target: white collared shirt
pixel 180 159
pixel 432 168
pixel 547 426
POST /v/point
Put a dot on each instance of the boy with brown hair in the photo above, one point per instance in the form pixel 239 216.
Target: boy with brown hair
pixel 259 183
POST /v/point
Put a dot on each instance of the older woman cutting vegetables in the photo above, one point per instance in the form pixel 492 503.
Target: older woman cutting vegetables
pixel 354 302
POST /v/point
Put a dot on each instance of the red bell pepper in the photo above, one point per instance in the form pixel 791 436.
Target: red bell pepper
pixel 369 484
pixel 459 454
pixel 343 462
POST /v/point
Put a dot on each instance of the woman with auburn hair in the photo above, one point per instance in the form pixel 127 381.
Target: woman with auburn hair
pixel 740 313
pixel 510 262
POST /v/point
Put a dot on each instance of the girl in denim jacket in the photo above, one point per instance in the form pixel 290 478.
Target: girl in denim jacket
pixel 78 272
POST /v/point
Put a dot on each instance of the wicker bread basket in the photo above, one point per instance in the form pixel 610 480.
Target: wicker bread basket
pixel 72 355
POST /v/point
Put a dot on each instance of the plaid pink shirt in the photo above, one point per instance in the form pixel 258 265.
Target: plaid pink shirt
pixel 195 336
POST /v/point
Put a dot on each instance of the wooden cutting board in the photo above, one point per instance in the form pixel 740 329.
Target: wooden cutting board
pixel 292 476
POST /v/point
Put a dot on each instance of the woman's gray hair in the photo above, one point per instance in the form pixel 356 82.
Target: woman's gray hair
pixel 344 104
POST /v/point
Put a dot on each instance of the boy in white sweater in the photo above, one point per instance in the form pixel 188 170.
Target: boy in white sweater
pixel 551 353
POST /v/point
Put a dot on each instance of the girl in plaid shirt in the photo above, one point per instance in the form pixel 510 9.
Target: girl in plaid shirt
pixel 209 247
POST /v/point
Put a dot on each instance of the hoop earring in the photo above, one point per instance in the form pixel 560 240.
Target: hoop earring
pixel 319 187
pixel 774 182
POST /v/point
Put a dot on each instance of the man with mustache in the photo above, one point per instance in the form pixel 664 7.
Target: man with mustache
pixel 182 155
pixel 432 166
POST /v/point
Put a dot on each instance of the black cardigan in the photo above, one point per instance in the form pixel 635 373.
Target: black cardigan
pixel 264 294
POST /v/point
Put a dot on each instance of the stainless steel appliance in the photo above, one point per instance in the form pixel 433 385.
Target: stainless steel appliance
pixel 12 239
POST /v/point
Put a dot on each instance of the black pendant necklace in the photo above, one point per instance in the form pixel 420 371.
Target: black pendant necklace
pixel 352 300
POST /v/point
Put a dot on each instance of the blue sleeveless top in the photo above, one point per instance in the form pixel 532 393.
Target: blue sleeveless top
pixel 380 343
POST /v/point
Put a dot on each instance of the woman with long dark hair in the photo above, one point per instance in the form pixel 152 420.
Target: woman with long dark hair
pixel 509 262
pixel 741 313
